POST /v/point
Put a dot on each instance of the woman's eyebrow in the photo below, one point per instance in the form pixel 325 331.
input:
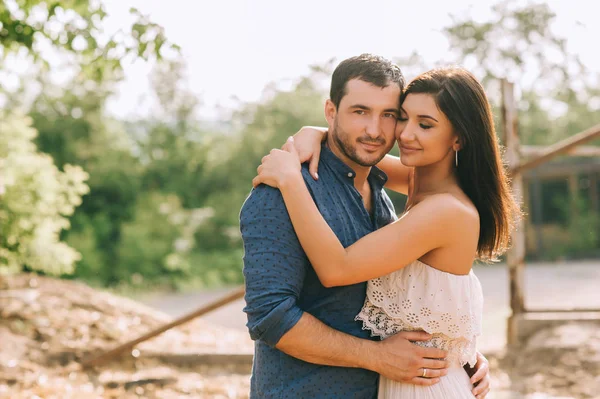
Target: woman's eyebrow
pixel 427 117
pixel 420 116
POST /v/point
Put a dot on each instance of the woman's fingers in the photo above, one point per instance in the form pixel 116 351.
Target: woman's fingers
pixel 289 145
pixel 483 394
pixel 314 166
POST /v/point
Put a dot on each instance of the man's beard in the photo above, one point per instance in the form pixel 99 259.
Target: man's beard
pixel 349 149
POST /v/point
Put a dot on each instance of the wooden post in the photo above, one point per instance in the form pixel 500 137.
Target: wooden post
pixel 562 147
pixel 573 197
pixel 536 207
pixel 516 253
pixel 594 193
pixel 127 346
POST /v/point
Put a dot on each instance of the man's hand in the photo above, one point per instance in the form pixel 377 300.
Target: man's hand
pixel 399 359
pixel 481 378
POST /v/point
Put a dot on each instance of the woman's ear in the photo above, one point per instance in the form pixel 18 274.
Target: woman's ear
pixel 456 146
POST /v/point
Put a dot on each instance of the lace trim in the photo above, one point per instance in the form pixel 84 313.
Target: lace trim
pixel 422 298
pixel 460 350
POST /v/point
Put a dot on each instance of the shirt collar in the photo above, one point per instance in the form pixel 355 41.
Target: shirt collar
pixel 377 177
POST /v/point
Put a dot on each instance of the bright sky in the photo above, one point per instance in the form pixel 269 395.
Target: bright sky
pixel 236 47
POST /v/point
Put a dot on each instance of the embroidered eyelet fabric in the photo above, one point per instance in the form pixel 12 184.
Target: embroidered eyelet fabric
pixel 420 297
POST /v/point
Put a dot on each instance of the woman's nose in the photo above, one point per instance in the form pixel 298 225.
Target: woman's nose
pixel 404 131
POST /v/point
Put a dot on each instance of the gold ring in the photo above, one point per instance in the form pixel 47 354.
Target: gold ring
pixel 424 373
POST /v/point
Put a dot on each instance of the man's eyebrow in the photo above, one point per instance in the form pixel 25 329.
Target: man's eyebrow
pixel 361 106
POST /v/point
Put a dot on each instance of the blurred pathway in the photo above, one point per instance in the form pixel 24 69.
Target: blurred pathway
pixel 556 285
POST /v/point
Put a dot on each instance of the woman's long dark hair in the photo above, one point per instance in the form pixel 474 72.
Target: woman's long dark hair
pixel 481 172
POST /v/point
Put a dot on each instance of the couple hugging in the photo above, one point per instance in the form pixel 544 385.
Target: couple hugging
pixel 344 298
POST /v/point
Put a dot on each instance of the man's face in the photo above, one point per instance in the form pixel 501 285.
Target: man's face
pixel 363 126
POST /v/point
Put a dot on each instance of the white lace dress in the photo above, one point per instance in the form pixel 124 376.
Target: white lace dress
pixel 448 306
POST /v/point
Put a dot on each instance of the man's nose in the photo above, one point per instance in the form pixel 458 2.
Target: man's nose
pixel 374 127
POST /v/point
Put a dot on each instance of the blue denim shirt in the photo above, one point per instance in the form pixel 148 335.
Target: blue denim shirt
pixel 281 283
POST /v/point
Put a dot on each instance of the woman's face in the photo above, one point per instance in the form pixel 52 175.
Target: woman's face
pixel 425 135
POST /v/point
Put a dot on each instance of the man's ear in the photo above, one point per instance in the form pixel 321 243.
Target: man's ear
pixel 330 112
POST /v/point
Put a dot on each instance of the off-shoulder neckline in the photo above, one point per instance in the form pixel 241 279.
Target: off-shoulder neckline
pixel 443 271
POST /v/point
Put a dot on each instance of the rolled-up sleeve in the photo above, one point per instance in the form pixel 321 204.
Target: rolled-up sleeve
pixel 274 266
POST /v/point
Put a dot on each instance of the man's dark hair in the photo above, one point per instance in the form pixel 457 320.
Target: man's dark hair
pixel 369 68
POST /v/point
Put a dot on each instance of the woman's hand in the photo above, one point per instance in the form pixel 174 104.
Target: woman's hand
pixel 308 145
pixel 280 167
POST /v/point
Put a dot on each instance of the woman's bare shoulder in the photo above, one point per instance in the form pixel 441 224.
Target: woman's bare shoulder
pixel 451 208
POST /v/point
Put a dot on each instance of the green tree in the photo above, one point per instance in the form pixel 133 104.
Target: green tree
pixel 73 129
pixel 519 44
pixel 159 241
pixel 71 122
pixel 262 126
pixel 74 28
pixel 35 200
pixel 171 145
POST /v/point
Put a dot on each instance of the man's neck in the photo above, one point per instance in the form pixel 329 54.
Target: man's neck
pixel 361 172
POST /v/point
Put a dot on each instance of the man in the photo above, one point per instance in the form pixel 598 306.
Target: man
pixel 308 344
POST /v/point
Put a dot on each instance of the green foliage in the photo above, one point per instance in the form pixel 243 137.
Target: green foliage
pixel 165 191
pixel 578 236
pixel 518 38
pixel 159 241
pixel 265 126
pixel 36 200
pixel 70 119
pixel 75 27
pixel 101 146
pixel 518 43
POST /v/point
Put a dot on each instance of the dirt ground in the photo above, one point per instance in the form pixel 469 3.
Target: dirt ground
pixel 559 362
pixel 47 326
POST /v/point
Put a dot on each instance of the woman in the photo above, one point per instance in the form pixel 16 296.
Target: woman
pixel 459 209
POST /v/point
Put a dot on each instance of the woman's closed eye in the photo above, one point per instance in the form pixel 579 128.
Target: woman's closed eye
pixel 424 126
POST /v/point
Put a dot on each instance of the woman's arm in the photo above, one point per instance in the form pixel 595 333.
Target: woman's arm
pixel 435 222
pixel 397 173
pixel 425 227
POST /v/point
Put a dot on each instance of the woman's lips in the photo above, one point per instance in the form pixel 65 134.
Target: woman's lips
pixel 408 149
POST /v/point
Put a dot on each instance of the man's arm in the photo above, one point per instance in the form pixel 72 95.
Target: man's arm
pixel 274 269
pixel 396 357
pixel 314 342
pixel 274 266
